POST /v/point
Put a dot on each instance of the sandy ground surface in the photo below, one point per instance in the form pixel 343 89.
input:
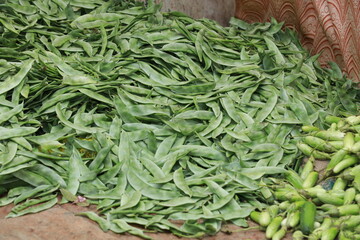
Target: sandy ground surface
pixel 60 223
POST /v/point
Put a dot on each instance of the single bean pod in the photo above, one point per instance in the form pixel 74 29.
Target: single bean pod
pixel 340 184
pixel 313 191
pixel 350 222
pixel 337 193
pixel 308 167
pixel 332 119
pixel 349 141
pixel 356 147
pixel 294 219
pixel 357 137
pixel 330 135
pixel 330 233
pixel 335 159
pixel 341 125
pixel 318 143
pixel 298 235
pixel 357 198
pixel 345 235
pixel 356 182
pixel 351 209
pixel 337 144
pixel 273 227
pixel 255 216
pixel 294 179
pixel 348 162
pixel 310 180
pixel 353 120
pixel 350 173
pixel 330 199
pixel 308 129
pixel 284 222
pixel 264 218
pixel 273 210
pixel 280 234
pixel 327 207
pixel 349 196
pixel 287 194
pixel 307 217
pixel 309 151
pixel 284 205
pixel 296 205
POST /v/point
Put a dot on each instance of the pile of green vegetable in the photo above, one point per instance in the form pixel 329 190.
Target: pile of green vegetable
pixel 152 116
pixel 324 208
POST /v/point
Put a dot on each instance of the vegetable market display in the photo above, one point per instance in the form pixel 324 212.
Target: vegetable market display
pixel 153 116
pixel 322 206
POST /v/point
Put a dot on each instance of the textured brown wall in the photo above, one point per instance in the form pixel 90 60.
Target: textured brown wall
pixel 219 10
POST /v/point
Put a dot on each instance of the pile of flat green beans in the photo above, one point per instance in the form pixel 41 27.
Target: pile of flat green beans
pixel 152 116
pixel 322 206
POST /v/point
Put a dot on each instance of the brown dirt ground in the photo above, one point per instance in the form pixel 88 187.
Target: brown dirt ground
pixel 61 223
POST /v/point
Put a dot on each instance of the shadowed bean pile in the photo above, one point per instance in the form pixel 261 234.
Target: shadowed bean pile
pixel 319 205
pixel 152 116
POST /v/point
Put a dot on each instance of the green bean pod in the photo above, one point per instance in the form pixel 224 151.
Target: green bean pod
pixel 273 227
pixel 296 205
pixel 330 199
pixel 294 219
pixel 341 125
pixel 340 184
pixel 332 119
pixel 330 233
pixel 273 210
pixel 330 135
pixel 350 222
pixel 287 194
pixel 357 137
pixel 348 162
pixel 336 144
pixel 280 234
pixel 349 196
pixel 313 191
pixel 345 235
pixel 309 151
pixel 284 205
pixel 351 209
pixel 264 218
pixel 316 234
pixel 333 127
pixel 349 141
pixel 255 216
pixel 308 129
pixel 335 159
pixel 318 143
pixel 307 217
pixel 294 179
pixel 310 180
pixel 356 182
pixel 353 120
pixel 308 167
pixel 350 173
pixel 298 235
pixel 357 198
pixel 356 147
